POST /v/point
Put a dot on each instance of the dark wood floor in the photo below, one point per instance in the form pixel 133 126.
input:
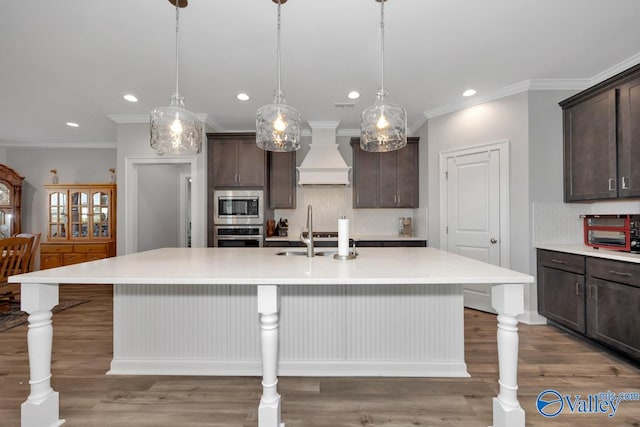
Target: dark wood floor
pixel 549 358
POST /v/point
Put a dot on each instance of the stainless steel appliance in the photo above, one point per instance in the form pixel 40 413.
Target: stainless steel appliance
pixel 238 207
pixel 238 236
pixel 617 232
pixel 238 218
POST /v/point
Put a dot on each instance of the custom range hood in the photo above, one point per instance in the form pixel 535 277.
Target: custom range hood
pixel 323 164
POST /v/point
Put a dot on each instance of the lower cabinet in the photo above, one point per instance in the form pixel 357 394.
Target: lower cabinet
pixel 60 254
pixel 596 297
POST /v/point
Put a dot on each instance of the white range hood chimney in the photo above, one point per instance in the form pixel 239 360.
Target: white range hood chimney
pixel 324 164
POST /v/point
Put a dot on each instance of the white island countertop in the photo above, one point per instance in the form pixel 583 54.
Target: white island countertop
pixel 261 266
pixel 442 272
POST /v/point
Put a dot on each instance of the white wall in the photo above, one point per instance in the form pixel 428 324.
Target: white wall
pixel 158 208
pixel 74 165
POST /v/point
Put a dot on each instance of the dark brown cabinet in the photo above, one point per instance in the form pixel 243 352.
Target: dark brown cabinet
pixel 561 285
pixel 602 140
pixel 235 160
pixel 596 297
pixel 629 138
pixel 282 180
pixel 613 298
pixel 385 180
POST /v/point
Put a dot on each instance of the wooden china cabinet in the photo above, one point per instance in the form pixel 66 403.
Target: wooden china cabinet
pixel 81 224
pixel 10 202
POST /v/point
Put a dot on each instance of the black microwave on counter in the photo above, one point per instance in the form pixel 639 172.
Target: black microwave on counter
pixel 615 232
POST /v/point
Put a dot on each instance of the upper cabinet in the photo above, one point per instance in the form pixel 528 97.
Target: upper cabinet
pixel 235 160
pixel 602 140
pixel 385 180
pixel 282 180
pixel 10 202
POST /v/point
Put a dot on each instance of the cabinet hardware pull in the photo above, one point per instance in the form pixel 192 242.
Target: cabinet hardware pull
pixel 620 273
pixel 591 292
pixel 624 184
pixel 557 261
pixel 398 199
pixel 239 180
pixel 612 184
pixel 577 288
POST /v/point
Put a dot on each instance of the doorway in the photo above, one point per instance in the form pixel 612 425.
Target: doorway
pixel 474 204
pixel 164 203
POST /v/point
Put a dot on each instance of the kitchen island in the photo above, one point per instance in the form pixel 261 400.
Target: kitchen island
pixel 409 270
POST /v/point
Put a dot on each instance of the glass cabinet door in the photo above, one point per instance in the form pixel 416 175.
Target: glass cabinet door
pixel 79 214
pixel 100 201
pixel 57 215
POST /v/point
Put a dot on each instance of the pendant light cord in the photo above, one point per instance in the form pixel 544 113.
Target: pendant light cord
pixel 177 22
pixel 382 46
pixel 279 94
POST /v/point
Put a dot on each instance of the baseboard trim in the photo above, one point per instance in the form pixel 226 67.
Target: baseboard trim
pixel 289 368
pixel 531 317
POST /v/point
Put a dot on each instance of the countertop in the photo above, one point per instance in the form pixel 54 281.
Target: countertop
pixel 356 237
pixel 589 251
pixel 260 266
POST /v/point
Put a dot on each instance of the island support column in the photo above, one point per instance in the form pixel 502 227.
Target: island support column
pixel 508 300
pixel 42 406
pixel 268 309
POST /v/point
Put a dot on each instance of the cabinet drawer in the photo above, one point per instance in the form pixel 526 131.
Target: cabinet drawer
pixel 90 249
pixel 562 261
pixel 56 249
pixel 614 271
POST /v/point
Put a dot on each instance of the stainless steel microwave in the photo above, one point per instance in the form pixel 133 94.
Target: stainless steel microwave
pixel 238 207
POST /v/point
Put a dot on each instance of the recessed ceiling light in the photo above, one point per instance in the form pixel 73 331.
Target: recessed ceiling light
pixel 242 97
pixel 469 92
pixel 131 98
pixel 72 124
pixel 354 94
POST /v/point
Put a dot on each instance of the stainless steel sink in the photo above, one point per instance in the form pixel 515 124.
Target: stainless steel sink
pixel 304 253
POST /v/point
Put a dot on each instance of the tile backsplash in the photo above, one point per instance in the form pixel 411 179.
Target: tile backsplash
pixel 561 222
pixel 330 203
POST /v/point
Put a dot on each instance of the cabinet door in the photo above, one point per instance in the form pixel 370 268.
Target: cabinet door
pixel 225 163
pixel 590 171
pixel 407 176
pixel 365 177
pixel 387 194
pixel 282 180
pixel 70 259
pixel 613 316
pixel 563 294
pixel 50 261
pixel 251 164
pixel 629 139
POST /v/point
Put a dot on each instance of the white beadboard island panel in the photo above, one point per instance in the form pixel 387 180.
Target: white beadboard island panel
pixel 382 330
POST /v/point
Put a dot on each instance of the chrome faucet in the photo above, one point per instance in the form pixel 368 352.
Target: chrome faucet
pixel 309 239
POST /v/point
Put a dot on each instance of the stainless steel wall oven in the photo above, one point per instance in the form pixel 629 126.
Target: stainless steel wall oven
pixel 238 218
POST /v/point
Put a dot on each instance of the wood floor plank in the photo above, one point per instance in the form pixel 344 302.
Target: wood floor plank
pixel 549 358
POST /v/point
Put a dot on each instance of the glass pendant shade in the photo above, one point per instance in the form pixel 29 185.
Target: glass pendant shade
pixel 383 126
pixel 278 126
pixel 175 130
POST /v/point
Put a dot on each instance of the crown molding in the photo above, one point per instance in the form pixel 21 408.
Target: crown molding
pixel 535 84
pixel 618 68
pixel 56 145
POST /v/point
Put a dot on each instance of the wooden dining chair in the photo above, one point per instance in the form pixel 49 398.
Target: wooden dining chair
pixel 31 261
pixel 13 253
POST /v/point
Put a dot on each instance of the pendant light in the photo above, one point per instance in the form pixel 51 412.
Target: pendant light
pixel 174 129
pixel 278 124
pixel 383 126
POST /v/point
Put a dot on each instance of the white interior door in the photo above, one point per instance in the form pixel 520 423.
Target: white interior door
pixel 474 189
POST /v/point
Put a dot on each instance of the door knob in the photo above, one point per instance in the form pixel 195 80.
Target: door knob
pixel 493 241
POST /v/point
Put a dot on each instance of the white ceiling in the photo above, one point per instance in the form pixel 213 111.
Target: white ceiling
pixel 73 61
